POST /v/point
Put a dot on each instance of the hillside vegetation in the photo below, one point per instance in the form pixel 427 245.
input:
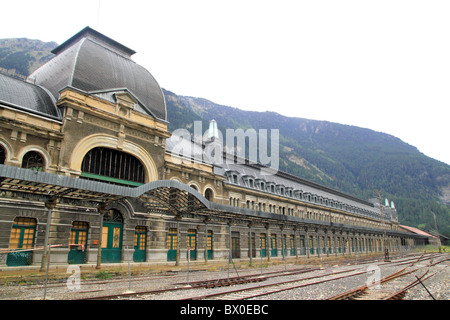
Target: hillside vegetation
pixel 351 159
pixel 20 57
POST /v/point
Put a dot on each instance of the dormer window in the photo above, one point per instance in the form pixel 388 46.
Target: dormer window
pixel 289 192
pixel 232 176
pixel 249 181
pixel 280 189
pixel 270 187
pixel 260 184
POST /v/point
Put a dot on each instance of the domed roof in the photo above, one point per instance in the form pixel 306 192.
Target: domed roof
pixel 92 62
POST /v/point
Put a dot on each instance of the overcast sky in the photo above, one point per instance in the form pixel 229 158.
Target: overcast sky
pixel 382 65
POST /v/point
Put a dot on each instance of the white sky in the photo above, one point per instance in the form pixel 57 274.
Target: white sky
pixel 383 65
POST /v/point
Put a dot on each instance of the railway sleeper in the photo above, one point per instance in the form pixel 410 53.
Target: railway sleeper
pixel 225 282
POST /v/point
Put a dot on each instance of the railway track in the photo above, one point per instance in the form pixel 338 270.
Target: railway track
pixel 267 289
pixel 213 283
pixel 238 292
pixel 384 289
pixel 248 285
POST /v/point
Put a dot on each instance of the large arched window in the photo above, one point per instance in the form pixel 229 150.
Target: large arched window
pixel 112 166
pixel 33 160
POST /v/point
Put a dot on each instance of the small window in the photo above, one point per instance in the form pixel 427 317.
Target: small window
pixel 33 160
pixel 209 194
pixel 2 155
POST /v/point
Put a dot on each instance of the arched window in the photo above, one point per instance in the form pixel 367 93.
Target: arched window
pixel 2 155
pixel 33 160
pixel 209 194
pixel 112 166
pixel 113 215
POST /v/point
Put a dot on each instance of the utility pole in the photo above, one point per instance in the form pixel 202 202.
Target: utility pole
pixel 435 224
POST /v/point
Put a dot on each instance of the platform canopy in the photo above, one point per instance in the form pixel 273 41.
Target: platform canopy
pixel 168 197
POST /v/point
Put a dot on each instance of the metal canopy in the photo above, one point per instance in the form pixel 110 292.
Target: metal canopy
pixel 163 196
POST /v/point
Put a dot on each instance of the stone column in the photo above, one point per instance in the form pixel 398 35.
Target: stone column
pixel 101 210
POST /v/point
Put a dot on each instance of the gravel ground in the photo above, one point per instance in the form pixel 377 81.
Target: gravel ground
pixel 438 285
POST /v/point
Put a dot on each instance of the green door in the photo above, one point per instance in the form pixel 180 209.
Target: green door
pixel 112 242
pixel 302 245
pixel 273 244
pixel 77 243
pixel 22 238
pixel 292 244
pixel 210 245
pixel 172 240
pixel 112 237
pixel 140 244
pixel 192 243
pixel 323 245
pixel 262 239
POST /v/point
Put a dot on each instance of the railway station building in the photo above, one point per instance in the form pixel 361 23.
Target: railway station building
pixel 89 170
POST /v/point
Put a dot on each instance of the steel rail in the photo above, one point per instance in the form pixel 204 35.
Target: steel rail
pixel 218 294
pixel 206 284
pixel 401 293
pixel 363 289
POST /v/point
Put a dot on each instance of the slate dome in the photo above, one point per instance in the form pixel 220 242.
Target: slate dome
pixel 92 62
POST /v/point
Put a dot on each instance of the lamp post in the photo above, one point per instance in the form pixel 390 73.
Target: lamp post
pixel 50 205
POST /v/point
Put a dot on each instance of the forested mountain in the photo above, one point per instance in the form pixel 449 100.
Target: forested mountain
pixel 354 160
pixel 20 56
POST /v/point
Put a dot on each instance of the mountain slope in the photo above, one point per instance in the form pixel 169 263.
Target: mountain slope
pixel 354 160
pixel 20 57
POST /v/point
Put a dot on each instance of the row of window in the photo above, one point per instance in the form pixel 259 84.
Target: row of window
pixel 23 235
pixel 261 206
pixel 271 187
pixel 24 229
